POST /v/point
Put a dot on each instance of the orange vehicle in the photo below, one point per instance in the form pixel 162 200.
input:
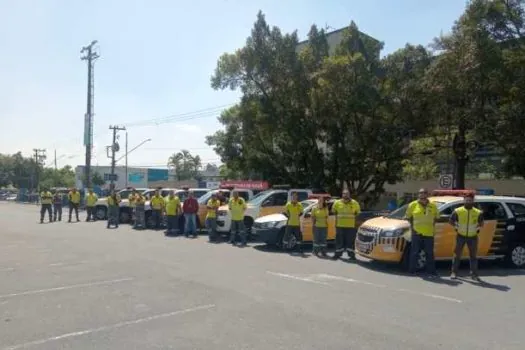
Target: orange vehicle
pixel 387 238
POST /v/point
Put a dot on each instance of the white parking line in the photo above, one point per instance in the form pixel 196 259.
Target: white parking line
pixel 351 280
pixel 292 277
pixel 73 286
pixel 6 269
pixel 109 327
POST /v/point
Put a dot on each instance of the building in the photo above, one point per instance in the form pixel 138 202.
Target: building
pixel 334 38
pixel 137 177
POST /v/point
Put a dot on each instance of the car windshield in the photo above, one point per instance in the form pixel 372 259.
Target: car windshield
pixel 400 212
pixel 259 198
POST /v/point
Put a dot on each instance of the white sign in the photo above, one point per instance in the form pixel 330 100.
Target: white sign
pixel 213 184
pixel 446 181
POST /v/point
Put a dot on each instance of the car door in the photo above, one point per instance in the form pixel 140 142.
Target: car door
pixel 445 234
pixel 273 204
pixel 515 234
pixel 493 237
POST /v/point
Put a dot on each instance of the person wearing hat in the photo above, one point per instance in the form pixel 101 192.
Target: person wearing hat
pixel 211 217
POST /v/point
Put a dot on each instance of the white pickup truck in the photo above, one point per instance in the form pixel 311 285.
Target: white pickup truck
pixel 101 207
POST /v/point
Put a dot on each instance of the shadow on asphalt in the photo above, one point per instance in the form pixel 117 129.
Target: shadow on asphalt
pixel 485 284
pixel 265 248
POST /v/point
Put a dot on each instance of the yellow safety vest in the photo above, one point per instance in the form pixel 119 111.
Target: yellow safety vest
pixel 132 201
pixel 157 202
pixel 423 217
pixel 91 200
pixel 346 213
pixel 112 202
pixel 321 217
pixel 294 211
pixel 172 205
pixel 46 197
pixel 140 200
pixel 212 213
pixel 468 221
pixel 237 208
pixel 74 197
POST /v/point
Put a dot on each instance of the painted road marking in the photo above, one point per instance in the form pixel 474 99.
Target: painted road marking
pixel 6 269
pixel 297 278
pixel 322 278
pixel 351 280
pixel 109 327
pixel 73 286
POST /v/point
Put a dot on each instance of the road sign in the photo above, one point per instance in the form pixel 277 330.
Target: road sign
pixel 445 181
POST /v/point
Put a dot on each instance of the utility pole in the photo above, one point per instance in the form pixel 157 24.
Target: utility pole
pixel 114 149
pixel 56 167
pixel 89 55
pixel 40 156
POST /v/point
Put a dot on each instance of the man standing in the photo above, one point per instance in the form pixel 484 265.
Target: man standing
pixel 345 210
pixel 132 204
pixel 172 213
pixel 57 206
pixel 293 225
pixel 91 200
pixel 237 207
pixel 422 215
pixel 46 201
pixel 157 206
pixel 211 217
pixel 74 203
pixel 139 211
pixel 190 209
pixel 468 221
pixel 113 209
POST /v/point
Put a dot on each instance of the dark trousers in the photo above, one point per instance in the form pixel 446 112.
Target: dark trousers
pixel 211 226
pixel 157 214
pixel 472 244
pixel 43 209
pixel 172 222
pixel 237 229
pixel 294 231
pixel 73 206
pixel 90 213
pixel 420 242
pixel 57 212
pixel 345 241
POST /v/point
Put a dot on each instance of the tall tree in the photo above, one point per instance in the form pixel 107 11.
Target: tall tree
pixel 185 164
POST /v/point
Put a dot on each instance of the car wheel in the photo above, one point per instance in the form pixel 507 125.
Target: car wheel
pixel 517 256
pixel 290 245
pixel 101 213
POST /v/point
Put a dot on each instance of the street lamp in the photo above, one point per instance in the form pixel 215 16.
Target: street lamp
pixel 128 152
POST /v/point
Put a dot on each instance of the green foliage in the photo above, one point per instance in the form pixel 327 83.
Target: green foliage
pixel 185 164
pixel 97 179
pixel 357 120
pixel 23 172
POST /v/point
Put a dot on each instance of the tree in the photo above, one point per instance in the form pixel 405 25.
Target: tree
pixel 211 168
pixel 185 164
pixel 97 179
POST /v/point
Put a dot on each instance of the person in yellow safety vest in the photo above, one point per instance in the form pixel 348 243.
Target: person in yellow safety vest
pixel 422 215
pixel 346 210
pixel 320 224
pixel 74 203
pixel 173 210
pixel 46 201
pixel 113 209
pixel 467 221
pixel 91 200
pixel 140 201
pixel 157 205
pixel 237 207
pixel 293 211
pixel 211 217
pixel 132 204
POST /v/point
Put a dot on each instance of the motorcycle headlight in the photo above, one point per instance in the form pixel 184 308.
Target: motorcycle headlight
pixel 392 233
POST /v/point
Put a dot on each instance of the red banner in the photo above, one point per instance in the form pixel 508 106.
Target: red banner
pixel 251 185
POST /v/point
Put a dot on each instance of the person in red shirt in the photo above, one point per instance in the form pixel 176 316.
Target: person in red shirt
pixel 190 208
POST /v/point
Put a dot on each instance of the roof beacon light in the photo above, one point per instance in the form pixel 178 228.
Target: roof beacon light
pixel 459 193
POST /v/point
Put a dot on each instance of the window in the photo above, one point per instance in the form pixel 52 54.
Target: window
pixel 244 195
pixel 448 211
pixel 275 200
pixel 200 193
pixel 492 210
pixel 517 209
pixel 302 196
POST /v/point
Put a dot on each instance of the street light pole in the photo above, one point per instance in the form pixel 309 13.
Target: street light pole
pixel 128 152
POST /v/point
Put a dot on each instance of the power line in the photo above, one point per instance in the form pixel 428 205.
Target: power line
pixel 202 113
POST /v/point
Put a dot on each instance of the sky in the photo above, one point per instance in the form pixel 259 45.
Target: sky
pixel 156 60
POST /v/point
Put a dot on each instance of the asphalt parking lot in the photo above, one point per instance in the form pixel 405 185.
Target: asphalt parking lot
pixel 81 286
